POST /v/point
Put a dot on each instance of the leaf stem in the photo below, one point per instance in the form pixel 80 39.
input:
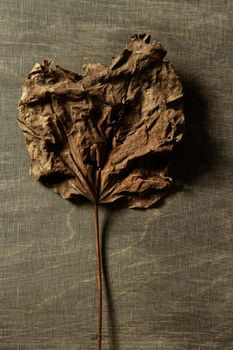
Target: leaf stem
pixel 98 254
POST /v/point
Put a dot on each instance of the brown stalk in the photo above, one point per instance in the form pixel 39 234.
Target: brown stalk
pixel 98 254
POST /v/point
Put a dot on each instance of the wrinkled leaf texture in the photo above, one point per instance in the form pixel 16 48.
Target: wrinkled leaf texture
pixel 107 135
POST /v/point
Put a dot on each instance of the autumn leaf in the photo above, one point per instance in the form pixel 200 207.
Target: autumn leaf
pixel 107 135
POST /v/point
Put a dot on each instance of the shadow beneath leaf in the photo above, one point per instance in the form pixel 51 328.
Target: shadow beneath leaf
pixel 196 154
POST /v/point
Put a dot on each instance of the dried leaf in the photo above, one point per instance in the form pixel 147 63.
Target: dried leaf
pixel 107 135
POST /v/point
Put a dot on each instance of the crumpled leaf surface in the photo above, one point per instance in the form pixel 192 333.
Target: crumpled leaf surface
pixel 107 135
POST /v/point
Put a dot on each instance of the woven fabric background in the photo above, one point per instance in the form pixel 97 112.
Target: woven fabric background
pixel 168 270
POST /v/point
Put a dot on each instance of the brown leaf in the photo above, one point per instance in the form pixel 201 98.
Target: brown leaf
pixel 106 135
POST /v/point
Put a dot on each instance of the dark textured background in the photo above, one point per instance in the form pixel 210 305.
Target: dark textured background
pixel 169 269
